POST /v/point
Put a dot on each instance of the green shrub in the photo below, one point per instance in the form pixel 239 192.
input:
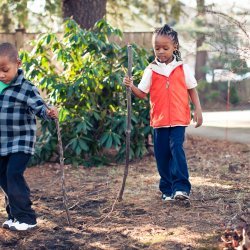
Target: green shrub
pixel 82 74
pixel 216 93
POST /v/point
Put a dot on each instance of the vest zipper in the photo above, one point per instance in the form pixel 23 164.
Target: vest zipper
pixel 169 102
pixel 167 83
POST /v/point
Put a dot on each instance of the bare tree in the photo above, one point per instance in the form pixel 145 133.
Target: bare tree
pixel 201 55
pixel 84 12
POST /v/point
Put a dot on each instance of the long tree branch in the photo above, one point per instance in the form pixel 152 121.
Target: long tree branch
pixel 230 19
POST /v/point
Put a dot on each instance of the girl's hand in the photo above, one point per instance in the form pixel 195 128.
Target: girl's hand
pixel 52 112
pixel 128 81
pixel 198 118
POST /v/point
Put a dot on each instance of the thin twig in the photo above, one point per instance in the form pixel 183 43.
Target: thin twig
pixel 112 209
pixel 108 214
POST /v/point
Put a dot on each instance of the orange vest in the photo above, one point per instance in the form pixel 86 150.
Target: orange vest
pixel 169 100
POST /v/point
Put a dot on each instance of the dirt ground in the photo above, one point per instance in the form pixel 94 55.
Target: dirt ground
pixel 220 196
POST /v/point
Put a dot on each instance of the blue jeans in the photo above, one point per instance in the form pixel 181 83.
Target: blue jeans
pixel 171 160
pixel 17 192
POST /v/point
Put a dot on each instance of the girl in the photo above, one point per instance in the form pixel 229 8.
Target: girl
pixel 170 84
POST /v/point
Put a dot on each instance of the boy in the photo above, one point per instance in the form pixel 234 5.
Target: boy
pixel 20 102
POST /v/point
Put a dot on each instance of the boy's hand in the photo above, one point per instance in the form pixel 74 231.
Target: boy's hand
pixel 128 81
pixel 52 112
pixel 198 118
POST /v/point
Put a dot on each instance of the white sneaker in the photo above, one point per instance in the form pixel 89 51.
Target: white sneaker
pixel 17 226
pixel 180 195
pixel 8 223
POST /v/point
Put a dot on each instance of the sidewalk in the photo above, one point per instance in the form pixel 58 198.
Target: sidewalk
pixel 231 126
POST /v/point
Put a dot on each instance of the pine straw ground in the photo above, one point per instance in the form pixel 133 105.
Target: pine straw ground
pixel 219 173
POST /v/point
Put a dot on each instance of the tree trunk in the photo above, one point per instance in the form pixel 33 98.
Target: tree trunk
pixel 5 19
pixel 84 12
pixel 201 55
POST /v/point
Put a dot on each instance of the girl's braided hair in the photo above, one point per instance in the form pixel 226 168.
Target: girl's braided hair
pixel 166 30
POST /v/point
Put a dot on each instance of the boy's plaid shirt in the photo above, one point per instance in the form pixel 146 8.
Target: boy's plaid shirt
pixel 19 104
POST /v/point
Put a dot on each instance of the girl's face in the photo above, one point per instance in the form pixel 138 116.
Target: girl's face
pixel 8 69
pixel 164 48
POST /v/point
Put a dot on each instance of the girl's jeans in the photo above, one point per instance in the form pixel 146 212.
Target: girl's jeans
pixel 17 192
pixel 171 160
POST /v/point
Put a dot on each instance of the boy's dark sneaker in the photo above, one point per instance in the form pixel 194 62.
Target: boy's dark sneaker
pixel 181 195
pixel 7 224
pixel 166 197
pixel 17 226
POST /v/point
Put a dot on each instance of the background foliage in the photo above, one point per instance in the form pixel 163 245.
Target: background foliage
pixel 82 74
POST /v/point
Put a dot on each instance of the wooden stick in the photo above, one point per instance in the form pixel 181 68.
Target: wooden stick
pixel 128 128
pixel 65 200
pixel 61 158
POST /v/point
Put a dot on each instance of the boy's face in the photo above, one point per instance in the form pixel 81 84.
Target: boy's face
pixel 164 48
pixel 8 69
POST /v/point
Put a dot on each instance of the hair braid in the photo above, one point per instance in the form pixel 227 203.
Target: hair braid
pixel 166 30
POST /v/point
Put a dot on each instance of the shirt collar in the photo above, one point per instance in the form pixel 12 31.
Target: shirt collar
pixel 18 79
pixel 165 69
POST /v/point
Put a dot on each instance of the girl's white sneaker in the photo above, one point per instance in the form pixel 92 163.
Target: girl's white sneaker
pixel 181 195
pixel 166 197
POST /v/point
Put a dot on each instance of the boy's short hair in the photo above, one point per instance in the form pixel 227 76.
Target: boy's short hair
pixel 8 49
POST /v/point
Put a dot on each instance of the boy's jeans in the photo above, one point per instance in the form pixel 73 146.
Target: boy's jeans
pixel 171 160
pixel 17 192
